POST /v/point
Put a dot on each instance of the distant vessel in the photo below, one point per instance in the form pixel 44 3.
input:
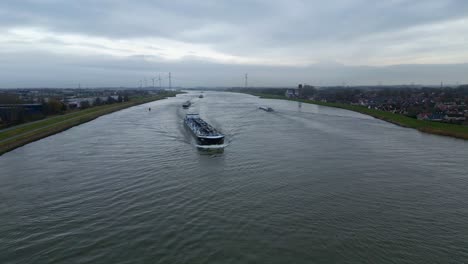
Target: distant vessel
pixel 186 104
pixel 268 109
pixel 201 96
pixel 204 133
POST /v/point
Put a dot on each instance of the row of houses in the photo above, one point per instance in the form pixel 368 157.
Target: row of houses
pixel 77 103
pixel 444 117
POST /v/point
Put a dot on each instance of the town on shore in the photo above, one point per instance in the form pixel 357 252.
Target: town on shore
pixel 438 104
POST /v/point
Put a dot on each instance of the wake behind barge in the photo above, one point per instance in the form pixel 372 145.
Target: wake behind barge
pixel 204 133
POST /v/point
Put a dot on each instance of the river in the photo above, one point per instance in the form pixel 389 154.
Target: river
pixel 303 184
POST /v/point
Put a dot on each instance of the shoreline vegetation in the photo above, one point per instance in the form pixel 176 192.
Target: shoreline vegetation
pixel 436 128
pixel 21 135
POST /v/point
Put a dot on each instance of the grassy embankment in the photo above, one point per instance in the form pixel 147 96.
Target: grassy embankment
pixel 444 129
pixel 27 133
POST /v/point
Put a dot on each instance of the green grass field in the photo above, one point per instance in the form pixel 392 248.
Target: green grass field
pixel 27 133
pixel 452 130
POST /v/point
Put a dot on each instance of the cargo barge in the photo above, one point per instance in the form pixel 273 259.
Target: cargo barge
pixel 203 132
pixel 186 104
pixel 264 108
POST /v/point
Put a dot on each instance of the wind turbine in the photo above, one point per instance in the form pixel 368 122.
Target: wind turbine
pixel 159 81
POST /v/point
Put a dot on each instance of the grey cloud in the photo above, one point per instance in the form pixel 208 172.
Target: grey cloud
pixel 305 31
pixel 39 69
pixel 266 22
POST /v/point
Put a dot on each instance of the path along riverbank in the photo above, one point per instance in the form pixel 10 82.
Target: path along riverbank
pixel 16 137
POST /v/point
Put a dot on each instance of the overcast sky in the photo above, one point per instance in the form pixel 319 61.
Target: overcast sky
pixel 60 43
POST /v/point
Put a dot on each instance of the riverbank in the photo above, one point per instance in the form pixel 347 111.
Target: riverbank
pixel 24 134
pixel 437 128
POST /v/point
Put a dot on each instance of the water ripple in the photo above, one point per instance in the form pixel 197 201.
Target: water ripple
pixel 300 185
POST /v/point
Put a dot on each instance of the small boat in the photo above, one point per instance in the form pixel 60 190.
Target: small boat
pixel 186 104
pixel 204 133
pixel 201 96
pixel 268 109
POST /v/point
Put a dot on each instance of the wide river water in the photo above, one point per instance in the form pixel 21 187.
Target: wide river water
pixel 303 184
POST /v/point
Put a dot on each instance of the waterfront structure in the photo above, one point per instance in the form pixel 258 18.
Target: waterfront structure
pixel 14 113
pixel 292 93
